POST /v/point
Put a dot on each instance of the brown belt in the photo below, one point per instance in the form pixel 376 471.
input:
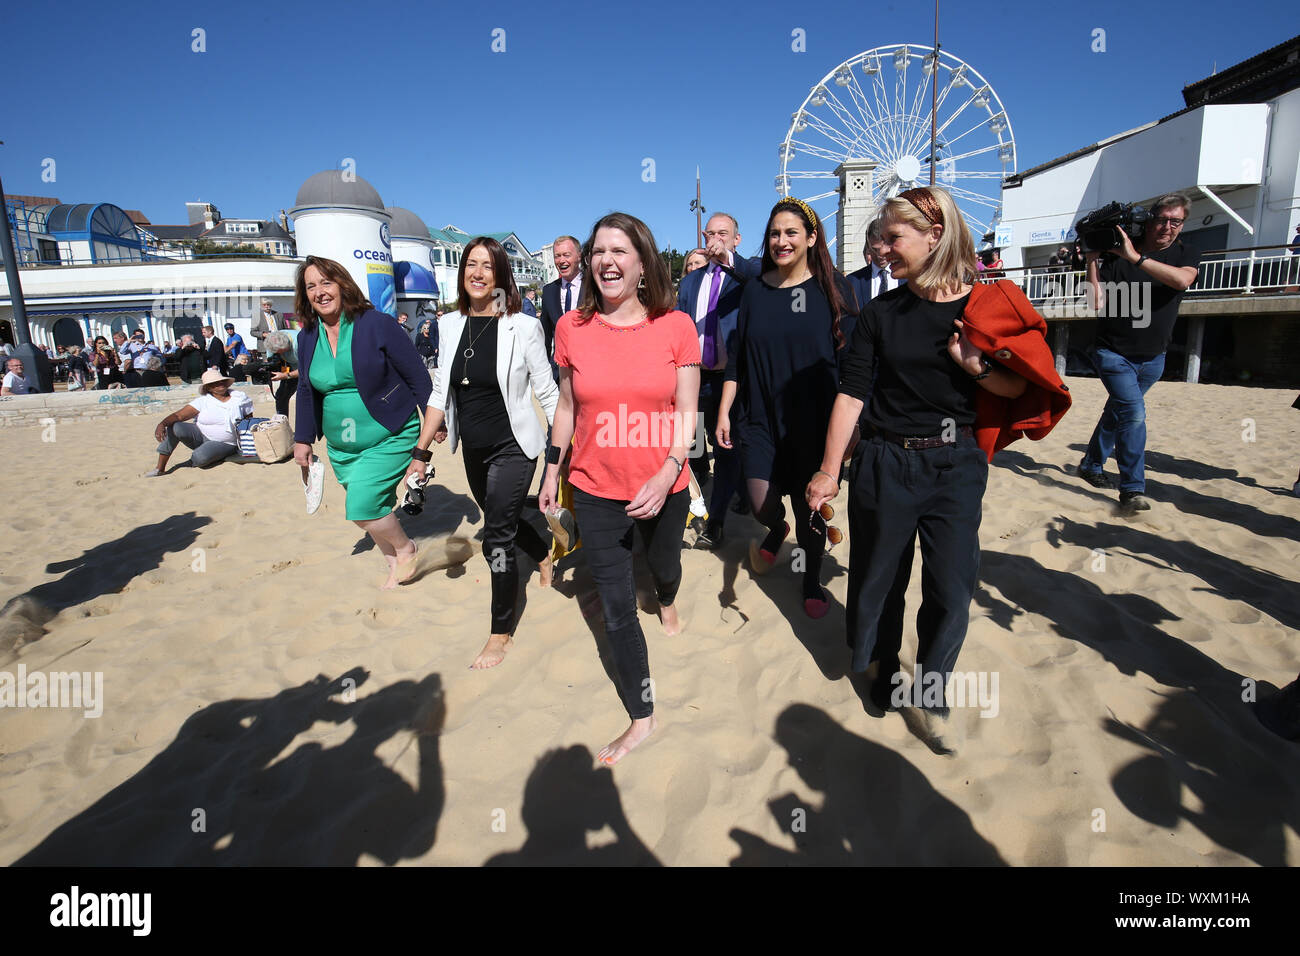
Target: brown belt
pixel 917 444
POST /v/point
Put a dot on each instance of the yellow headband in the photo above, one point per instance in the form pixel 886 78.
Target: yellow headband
pixel 805 208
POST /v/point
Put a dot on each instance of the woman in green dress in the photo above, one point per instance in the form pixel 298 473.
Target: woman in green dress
pixel 360 386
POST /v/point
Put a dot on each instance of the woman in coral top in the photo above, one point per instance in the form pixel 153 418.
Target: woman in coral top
pixel 629 389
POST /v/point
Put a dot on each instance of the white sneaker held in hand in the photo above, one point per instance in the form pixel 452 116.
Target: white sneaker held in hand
pixel 315 487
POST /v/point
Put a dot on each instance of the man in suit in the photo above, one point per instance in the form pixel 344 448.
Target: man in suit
pixel 711 296
pixel 214 352
pixel 528 305
pixel 873 278
pixel 266 322
pixel 564 294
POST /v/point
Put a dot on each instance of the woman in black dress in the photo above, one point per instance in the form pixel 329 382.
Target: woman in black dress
pixel 793 321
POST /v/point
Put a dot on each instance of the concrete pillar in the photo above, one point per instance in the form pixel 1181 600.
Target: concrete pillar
pixel 856 210
pixel 1195 336
pixel 1061 346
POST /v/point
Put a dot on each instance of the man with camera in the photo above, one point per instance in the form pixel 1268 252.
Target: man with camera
pixel 1136 292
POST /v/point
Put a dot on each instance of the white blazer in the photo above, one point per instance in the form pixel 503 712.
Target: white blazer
pixel 522 371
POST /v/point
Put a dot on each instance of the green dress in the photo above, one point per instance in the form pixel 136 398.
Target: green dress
pixel 368 460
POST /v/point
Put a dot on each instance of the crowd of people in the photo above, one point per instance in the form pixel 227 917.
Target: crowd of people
pixel 902 379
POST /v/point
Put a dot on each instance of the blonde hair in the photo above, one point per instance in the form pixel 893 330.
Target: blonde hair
pixel 951 264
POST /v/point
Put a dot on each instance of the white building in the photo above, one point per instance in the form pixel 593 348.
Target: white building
pixel 1234 149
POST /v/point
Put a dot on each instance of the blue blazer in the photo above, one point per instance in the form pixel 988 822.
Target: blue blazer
pixel 391 377
pixel 860 282
pixel 688 296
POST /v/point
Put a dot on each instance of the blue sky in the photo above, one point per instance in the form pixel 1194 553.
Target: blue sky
pixel 552 133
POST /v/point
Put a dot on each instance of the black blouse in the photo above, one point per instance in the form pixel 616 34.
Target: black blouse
pixel 902 341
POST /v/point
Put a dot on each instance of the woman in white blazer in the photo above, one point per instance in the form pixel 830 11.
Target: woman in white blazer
pixel 493 364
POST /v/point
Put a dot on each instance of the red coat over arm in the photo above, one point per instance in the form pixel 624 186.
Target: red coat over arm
pixel 1002 323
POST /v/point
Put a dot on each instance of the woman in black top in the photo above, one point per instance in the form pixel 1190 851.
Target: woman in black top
pixel 105 361
pixel 918 470
pixel 793 321
pixel 426 343
pixel 482 398
pixel 192 363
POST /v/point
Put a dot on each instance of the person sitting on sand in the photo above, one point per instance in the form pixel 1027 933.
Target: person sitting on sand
pixel 626 354
pixel 208 424
pixel 361 385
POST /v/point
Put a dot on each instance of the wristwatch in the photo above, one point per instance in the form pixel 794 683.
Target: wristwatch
pixel 988 369
pixel 1141 259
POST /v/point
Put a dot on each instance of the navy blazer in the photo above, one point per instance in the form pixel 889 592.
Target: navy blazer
pixel 688 296
pixel 860 282
pixel 391 377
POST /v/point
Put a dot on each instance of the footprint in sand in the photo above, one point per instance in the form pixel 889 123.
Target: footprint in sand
pixel 281 565
pixel 82 482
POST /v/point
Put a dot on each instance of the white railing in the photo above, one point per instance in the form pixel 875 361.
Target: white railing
pixel 1265 270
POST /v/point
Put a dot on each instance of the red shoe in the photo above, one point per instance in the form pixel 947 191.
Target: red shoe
pixel 815 608
pixel 761 559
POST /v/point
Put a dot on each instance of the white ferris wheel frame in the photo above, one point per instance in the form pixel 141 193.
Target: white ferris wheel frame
pixel 887 146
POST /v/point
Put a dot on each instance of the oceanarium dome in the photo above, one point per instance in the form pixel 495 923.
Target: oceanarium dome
pixel 330 188
pixel 407 223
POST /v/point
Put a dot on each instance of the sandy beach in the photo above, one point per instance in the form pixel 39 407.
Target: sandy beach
pixel 264 702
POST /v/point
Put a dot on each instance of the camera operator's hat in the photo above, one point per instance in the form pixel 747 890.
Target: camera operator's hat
pixel 230 326
pixel 211 377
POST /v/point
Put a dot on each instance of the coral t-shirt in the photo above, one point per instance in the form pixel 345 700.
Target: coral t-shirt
pixel 624 388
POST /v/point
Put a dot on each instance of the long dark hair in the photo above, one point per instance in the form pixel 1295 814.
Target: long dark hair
pixel 354 300
pixel 819 260
pixel 657 296
pixel 500 267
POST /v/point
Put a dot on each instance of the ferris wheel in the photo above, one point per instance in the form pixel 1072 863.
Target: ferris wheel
pixel 877 106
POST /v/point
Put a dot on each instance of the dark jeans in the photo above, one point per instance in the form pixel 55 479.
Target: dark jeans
pixel 607 544
pixel 498 480
pixel 204 452
pixel 896 496
pixel 284 390
pixel 726 463
pixel 1122 430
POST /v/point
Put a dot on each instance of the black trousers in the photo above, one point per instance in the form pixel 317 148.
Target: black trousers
pixel 897 496
pixel 498 480
pixel 726 463
pixel 607 544
pixel 283 392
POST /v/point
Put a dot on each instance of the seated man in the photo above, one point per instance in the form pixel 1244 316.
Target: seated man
pixel 15 383
pixel 153 375
pixel 208 424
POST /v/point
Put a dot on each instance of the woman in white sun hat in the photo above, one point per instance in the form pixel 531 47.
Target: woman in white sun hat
pixel 207 425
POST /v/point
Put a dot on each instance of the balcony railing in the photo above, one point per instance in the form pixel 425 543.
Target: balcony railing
pixel 1264 270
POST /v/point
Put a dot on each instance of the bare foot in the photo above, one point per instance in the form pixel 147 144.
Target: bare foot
pixel 493 653
pixel 668 618
pixel 405 569
pixel 546 571
pixel 619 748
pixel 391 583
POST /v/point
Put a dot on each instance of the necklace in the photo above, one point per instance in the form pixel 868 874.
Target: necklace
pixel 469 352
